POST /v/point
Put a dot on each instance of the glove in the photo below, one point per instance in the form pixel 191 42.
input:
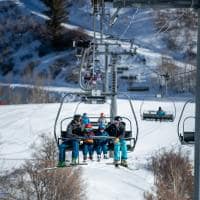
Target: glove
pixel 81 142
pixel 116 140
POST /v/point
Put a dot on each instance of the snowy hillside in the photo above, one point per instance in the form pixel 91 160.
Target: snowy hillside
pixel 21 126
pixel 26 57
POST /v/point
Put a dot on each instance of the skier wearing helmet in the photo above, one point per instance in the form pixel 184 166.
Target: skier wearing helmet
pixel 88 142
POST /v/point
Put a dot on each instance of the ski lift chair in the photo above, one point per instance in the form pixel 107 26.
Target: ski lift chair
pixel 131 140
pixel 94 121
pixel 188 136
pixel 185 136
pixel 152 115
pixel 94 99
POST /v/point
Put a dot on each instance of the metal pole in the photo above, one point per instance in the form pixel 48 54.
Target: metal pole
pixel 113 109
pixel 106 86
pixel 94 40
pixel 197 121
pixel 101 19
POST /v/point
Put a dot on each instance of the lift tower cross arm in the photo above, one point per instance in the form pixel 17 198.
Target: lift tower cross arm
pixel 156 3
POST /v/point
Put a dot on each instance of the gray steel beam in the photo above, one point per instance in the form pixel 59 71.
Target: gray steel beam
pixel 197 122
pixel 157 3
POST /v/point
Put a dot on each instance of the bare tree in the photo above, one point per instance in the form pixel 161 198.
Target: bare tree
pixel 35 181
pixel 173 176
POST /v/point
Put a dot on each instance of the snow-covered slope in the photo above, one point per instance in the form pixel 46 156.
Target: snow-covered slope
pixel 21 125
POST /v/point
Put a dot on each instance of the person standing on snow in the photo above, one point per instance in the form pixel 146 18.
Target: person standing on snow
pixel 117 129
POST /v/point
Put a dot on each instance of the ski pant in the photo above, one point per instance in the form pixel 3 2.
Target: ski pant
pixel 101 147
pixel 88 148
pixel 120 145
pixel 75 150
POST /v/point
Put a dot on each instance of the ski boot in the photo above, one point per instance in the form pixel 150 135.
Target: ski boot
pixel 98 158
pixel 116 163
pixel 61 164
pixel 84 158
pixel 91 158
pixel 105 156
pixel 74 161
pixel 124 163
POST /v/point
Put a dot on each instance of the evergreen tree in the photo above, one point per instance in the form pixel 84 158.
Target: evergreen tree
pixel 58 13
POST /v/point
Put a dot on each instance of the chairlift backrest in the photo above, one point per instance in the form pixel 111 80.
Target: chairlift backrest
pixel 185 137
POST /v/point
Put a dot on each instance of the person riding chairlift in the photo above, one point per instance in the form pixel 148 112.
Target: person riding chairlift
pixel 88 142
pixel 160 112
pixel 70 139
pixel 117 129
pixel 102 120
pixel 101 144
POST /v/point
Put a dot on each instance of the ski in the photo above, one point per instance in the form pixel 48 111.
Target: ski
pixel 67 165
pixel 120 165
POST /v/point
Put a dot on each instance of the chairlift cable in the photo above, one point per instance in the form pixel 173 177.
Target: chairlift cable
pixel 160 31
pixel 133 17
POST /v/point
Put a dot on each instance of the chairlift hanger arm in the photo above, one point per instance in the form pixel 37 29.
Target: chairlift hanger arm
pixel 134 115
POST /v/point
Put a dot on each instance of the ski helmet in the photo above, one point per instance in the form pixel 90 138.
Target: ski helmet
pixel 118 118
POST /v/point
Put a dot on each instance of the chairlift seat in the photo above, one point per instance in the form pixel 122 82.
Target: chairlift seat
pixel 94 99
pixel 138 88
pixel 152 115
pixel 95 124
pixel 188 137
pixel 123 68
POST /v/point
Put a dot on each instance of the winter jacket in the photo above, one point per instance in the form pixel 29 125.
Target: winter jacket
pixel 85 120
pixel 102 140
pixel 160 113
pixel 102 121
pixel 74 128
pixel 88 136
pixel 115 131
